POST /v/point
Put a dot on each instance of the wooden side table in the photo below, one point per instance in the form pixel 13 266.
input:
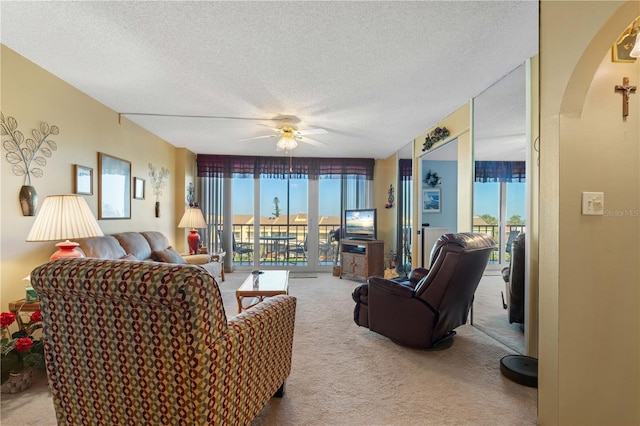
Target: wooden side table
pixel 219 257
pixel 21 305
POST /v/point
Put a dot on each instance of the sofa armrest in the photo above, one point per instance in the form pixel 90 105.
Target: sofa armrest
pixel 196 259
pixel 260 341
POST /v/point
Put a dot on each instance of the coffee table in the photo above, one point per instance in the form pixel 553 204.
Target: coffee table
pixel 269 283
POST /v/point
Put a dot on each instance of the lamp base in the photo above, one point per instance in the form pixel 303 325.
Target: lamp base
pixel 66 249
pixel 194 241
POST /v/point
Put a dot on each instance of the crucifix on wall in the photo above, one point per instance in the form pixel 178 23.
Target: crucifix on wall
pixel 626 91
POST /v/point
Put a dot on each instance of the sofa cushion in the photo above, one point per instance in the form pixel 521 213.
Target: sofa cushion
pixel 169 255
pixel 106 247
pixel 134 243
pixel 157 241
pixel 129 257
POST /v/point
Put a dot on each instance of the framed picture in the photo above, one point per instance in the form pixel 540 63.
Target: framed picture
pixel 431 201
pixel 82 180
pixel 138 188
pixel 114 187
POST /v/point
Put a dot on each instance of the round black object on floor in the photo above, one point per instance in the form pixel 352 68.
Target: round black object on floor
pixel 521 369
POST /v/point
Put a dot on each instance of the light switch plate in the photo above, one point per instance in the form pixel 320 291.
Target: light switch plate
pixel 593 203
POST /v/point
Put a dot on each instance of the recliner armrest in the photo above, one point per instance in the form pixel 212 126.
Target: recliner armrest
pixel 277 312
pixel 391 287
pixel 256 354
pixel 360 293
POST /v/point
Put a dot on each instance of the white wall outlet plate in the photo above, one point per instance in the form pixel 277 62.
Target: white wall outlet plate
pixel 593 203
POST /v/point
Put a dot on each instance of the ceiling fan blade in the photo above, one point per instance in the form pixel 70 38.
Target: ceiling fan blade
pixel 275 129
pixel 259 137
pixel 310 141
pixel 316 131
pixel 220 117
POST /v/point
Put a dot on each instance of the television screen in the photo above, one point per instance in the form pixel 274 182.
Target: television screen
pixel 360 224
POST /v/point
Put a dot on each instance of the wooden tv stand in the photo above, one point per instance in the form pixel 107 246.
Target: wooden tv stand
pixel 361 258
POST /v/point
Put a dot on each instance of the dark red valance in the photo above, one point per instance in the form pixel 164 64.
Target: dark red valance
pixel 281 167
pixel 500 171
pixel 406 169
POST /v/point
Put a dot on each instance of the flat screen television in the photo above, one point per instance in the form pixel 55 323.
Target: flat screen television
pixel 360 224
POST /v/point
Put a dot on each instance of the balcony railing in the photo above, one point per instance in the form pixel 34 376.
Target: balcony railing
pixel 278 244
pixel 294 252
pixel 494 231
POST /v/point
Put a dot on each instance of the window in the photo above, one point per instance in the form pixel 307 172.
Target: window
pixel 282 211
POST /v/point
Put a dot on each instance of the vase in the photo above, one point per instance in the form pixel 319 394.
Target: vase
pixel 18 382
pixel 157 208
pixel 28 200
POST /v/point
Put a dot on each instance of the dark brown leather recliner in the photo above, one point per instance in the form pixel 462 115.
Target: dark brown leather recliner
pixel 514 281
pixel 424 314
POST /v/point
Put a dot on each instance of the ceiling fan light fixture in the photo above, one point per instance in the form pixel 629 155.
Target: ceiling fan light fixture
pixel 288 134
pixel 287 143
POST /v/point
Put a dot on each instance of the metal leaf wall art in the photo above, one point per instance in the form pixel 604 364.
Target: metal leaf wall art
pixel 27 156
pixel 158 183
pixel 22 153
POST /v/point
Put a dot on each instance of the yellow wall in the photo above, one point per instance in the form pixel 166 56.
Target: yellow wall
pixel 185 174
pixel 31 95
pixel 386 174
pixel 589 326
pixel 459 125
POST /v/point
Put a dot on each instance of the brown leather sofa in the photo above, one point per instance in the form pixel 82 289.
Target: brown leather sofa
pixel 423 314
pixel 144 246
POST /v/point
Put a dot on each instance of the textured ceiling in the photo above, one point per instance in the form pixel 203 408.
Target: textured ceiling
pixel 375 75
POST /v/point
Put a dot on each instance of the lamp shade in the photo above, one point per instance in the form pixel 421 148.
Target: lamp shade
pixel 193 219
pixel 64 217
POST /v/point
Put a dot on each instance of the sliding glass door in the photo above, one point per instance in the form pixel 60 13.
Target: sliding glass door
pixel 280 215
pixel 499 212
pixel 283 222
pixel 289 222
pixel 329 212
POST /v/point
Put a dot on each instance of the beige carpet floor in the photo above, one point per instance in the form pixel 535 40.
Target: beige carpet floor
pixel 491 318
pixel 343 374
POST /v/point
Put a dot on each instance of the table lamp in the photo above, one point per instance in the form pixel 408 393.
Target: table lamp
pixel 64 217
pixel 193 218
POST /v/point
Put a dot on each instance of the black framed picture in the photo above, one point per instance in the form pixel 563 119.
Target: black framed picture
pixel 114 187
pixel 82 180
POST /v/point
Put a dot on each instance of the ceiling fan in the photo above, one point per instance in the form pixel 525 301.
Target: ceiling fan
pixel 289 135
pixel 286 131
